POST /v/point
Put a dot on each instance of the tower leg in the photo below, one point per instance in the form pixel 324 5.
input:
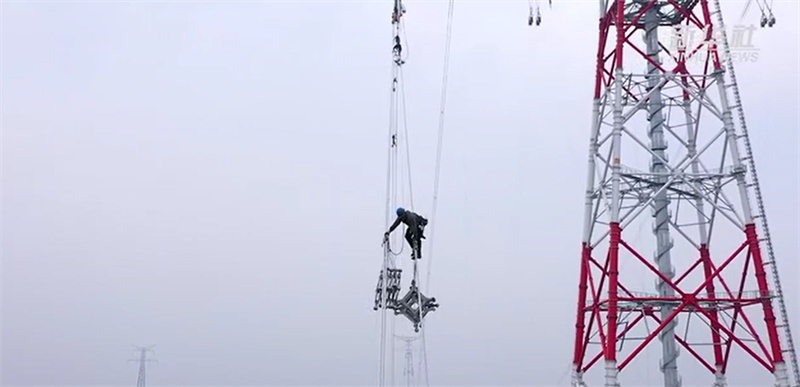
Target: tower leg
pixel 611 338
pixel 580 325
pixel 582 311
pixel 782 370
pixel 780 374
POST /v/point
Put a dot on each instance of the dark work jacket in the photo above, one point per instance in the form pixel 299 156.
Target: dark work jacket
pixel 410 219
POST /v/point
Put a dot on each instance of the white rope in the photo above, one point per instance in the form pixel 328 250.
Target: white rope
pixel 443 104
pixel 407 141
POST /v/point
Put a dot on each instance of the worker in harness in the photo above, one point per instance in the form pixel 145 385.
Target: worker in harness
pixel 415 226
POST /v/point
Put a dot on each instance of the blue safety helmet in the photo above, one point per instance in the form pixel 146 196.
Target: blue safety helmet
pixel 400 211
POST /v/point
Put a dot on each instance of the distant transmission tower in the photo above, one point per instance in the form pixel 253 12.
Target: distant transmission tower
pixel 408 371
pixel 140 381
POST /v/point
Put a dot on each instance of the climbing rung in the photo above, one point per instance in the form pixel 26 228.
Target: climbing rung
pixel 768 263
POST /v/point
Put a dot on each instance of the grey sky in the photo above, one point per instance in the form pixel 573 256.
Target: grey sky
pixel 209 177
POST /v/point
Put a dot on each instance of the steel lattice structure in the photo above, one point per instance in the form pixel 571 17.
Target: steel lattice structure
pixel 669 140
pixel 143 360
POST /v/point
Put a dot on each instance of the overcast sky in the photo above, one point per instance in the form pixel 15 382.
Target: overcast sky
pixel 209 177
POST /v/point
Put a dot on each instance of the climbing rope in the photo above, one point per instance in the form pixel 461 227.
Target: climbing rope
pixel 438 163
pixel 437 174
pixel 407 142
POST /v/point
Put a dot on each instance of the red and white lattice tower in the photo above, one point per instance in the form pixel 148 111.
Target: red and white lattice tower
pixel 669 151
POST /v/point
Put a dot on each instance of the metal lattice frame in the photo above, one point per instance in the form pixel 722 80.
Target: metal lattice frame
pixel 143 360
pixel 674 115
pixel 415 306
